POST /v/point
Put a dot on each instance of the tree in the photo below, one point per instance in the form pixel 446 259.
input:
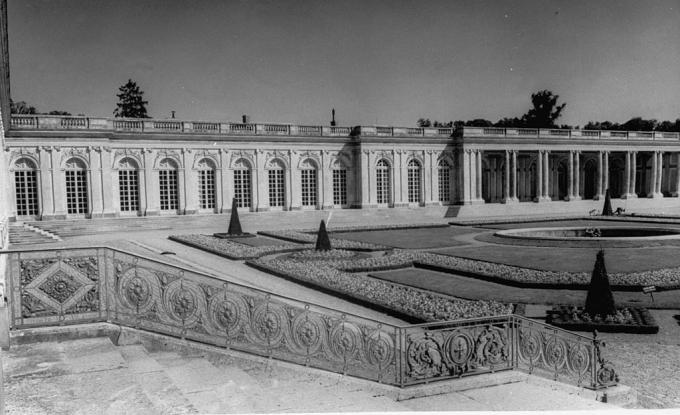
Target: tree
pixel 323 242
pixel 21 107
pixel 130 102
pixel 58 112
pixel 545 110
pixel 600 300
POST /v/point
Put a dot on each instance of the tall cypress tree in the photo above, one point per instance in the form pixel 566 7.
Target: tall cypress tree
pixel 234 222
pixel 323 242
pixel 607 209
pixel 600 300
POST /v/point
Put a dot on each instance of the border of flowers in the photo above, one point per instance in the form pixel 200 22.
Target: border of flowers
pixel 337 282
pixel 303 237
pixel 231 249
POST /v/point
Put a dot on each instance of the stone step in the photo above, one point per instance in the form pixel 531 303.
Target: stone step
pixel 211 389
pixel 156 385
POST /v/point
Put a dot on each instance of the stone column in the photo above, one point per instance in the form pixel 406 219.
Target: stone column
pixel 58 185
pixel 655 174
pixel 294 184
pixel 659 175
pixel 577 175
pixel 326 172
pixel 514 176
pixel 570 192
pixel 506 185
pixel 633 174
pixel 262 189
pixel 150 185
pixel 539 176
pixel 626 192
pixel 467 177
pixel 188 185
pixel 480 196
pixel 605 181
pixel 226 183
pixel 546 175
pixel 46 189
pixel 95 180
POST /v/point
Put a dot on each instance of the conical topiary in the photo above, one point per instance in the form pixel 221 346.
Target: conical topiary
pixel 600 300
pixel 607 209
pixel 234 222
pixel 323 243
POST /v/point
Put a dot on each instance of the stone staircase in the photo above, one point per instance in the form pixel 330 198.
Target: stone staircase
pixel 54 373
pixel 22 234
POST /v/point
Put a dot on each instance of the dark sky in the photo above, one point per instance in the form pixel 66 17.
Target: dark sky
pixel 376 62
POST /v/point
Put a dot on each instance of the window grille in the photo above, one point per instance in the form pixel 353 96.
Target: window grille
pixel 26 190
pixel 128 185
pixel 76 192
pixel 382 178
pixel 309 187
pixel 444 171
pixel 340 187
pixel 413 182
pixel 206 189
pixel 242 191
pixel 167 183
pixel 277 189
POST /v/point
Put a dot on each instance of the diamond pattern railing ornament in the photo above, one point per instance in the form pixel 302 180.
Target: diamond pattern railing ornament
pixel 81 285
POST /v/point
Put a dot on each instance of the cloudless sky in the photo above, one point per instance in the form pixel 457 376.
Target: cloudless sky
pixel 374 61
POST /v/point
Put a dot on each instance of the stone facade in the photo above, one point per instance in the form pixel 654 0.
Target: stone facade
pixel 69 167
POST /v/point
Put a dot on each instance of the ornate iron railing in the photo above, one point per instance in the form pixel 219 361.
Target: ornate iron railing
pixel 80 285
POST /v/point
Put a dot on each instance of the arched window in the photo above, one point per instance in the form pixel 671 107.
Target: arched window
pixel 128 185
pixel 382 182
pixel 242 180
pixel 444 171
pixel 277 188
pixel 413 181
pixel 26 187
pixel 308 180
pixel 339 184
pixel 168 185
pixel 76 187
pixel 206 184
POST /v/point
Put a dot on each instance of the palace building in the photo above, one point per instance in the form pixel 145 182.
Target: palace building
pixel 83 167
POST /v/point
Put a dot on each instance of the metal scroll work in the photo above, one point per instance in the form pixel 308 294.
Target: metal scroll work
pixel 467 349
pixel 160 298
pixel 80 285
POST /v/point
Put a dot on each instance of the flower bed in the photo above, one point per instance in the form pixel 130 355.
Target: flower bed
pixel 668 278
pixel 314 255
pixel 302 237
pixel 231 249
pixel 626 320
pixel 423 305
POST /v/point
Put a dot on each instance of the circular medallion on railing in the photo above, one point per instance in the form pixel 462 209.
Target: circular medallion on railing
pixel 555 353
pixel 268 323
pixel 345 340
pixel 578 358
pixel 606 375
pixel 183 301
pixel 379 348
pixel 137 290
pixel 227 312
pixel 529 345
pixel 309 332
pixel 459 347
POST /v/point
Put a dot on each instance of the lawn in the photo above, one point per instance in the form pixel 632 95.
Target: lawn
pixel 414 238
pixel 572 259
pixel 471 288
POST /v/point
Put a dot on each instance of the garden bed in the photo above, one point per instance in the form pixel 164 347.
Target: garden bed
pixel 635 320
pixel 420 304
pixel 303 237
pixel 231 249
